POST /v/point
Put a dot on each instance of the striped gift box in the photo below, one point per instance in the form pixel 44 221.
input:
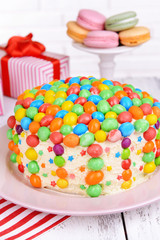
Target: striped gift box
pixel 21 73
pixel 21 223
pixel 1 99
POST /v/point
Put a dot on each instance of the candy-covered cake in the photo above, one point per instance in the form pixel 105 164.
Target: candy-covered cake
pixel 85 136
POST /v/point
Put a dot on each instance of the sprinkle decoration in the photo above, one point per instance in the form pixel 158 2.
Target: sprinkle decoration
pixel 87 115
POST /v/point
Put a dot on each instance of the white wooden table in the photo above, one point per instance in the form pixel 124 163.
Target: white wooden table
pixel 139 224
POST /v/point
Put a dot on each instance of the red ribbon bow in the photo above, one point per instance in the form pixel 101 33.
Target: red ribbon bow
pixel 23 46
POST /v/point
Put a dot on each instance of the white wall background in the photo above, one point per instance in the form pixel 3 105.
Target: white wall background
pixel 47 19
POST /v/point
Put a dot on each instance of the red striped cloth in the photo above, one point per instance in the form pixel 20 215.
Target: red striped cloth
pixel 20 223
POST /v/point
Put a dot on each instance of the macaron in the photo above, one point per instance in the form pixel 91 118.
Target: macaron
pixel 91 20
pixel 76 32
pixel 122 21
pixel 134 36
pixel 102 39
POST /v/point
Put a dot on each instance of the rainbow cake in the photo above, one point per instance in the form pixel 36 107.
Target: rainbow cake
pixel 85 136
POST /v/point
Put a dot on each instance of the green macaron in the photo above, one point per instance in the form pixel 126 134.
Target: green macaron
pixel 121 21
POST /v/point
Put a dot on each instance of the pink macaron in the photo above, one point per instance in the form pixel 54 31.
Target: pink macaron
pixel 102 39
pixel 91 20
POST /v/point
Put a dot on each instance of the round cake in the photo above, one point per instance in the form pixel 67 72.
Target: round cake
pixel 85 136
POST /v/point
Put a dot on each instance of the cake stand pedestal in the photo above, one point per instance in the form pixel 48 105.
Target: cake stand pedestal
pixel 106 56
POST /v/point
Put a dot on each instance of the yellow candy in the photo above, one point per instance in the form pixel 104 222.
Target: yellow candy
pixel 109 168
pixel 53 173
pixel 111 115
pixel 152 119
pixel 49 99
pixel 100 136
pixel 31 95
pixel 62 183
pixel 67 105
pixel 150 98
pixel 102 87
pixel 38 117
pixel 70 119
pixel 18 159
pixel 27 91
pixel 64 86
pixel 61 94
pixel 52 82
pixel 21 154
pixel 20 113
pixel 31 154
pixel 103 79
pixel 149 167
pixel 126 184
pixel 49 93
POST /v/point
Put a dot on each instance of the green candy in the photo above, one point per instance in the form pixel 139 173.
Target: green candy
pixel 118 108
pixel 130 86
pixel 17 107
pixel 95 164
pixel 40 97
pixel 59 101
pixel 116 89
pixel 54 89
pixel 109 124
pixel 103 106
pixel 34 91
pixel 87 139
pixel 33 167
pixel 31 112
pixel 158 134
pixel 148 157
pixel 78 109
pixel 43 133
pixel 57 84
pixel 66 129
pixel 16 139
pixel 139 93
pixel 62 89
pixel 125 154
pixel 147 100
pixel 59 161
pixel 136 102
pixel 110 87
pixel 94 80
pixel 9 134
pixel 85 82
pixel 94 190
pixel 141 125
pixel 13 157
pixel 106 94
pixel 85 93
pixel 157 161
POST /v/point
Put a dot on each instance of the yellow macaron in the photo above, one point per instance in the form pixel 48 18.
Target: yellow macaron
pixel 76 32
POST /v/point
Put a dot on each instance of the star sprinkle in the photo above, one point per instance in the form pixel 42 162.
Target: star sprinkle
pixel 53 173
pixel 43 165
pixel 45 175
pixel 50 160
pixel 108 183
pixel 70 158
pixel 139 139
pixel 83 153
pixel 119 177
pixel 134 179
pixel 20 141
pixel 82 187
pixel 27 165
pixel 132 148
pixel 134 164
pixel 109 168
pixel 82 168
pixel 107 149
pixel 40 152
pixel 50 149
pixel 139 151
pixel 141 168
pixel 72 176
pixel 53 183
pixel 117 155
pixel 22 134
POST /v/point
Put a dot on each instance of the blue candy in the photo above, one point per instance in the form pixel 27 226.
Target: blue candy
pixel 25 123
pixel 95 99
pixel 126 129
pixel 80 129
pixel 157 104
pixel 72 97
pixel 90 78
pixel 74 80
pixel 98 115
pixel 62 80
pixel 126 102
pixel 87 86
pixel 61 114
pixel 137 89
pixel 46 87
pixel 107 82
pixel 36 103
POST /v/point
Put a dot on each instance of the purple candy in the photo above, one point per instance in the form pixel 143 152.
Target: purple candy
pixel 19 129
pixel 126 142
pixel 157 125
pixel 58 149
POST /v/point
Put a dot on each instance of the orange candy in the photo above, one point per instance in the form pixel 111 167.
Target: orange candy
pixel 94 126
pixel 20 97
pixel 156 111
pixel 40 92
pixel 71 140
pixel 96 83
pixel 148 147
pixel 56 124
pixel 33 127
pixel 35 181
pixel 16 149
pixel 61 172
pixel 157 141
pixel 75 84
pixel 90 107
pixel 121 94
pixel 145 94
pixel 53 109
pixel 136 112
pixel 94 177
pixel 126 174
pixel 38 87
pixel 11 145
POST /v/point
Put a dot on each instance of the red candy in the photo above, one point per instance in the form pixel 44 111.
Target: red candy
pixel 114 135
pixel 158 152
pixel 11 121
pixel 21 168
pixel 150 134
pixel 126 164
pixel 146 108
pixel 32 140
pixel 73 90
pixel 27 102
pixel 44 107
pixel 94 91
pixel 67 80
pixel 127 90
pixel 85 118
pixel 83 78
pixel 56 137
pixel 133 95
pixel 19 102
pixel 81 101
pixel 113 101
pixel 95 150
pixel 124 117
pixel 116 83
pixel 46 120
